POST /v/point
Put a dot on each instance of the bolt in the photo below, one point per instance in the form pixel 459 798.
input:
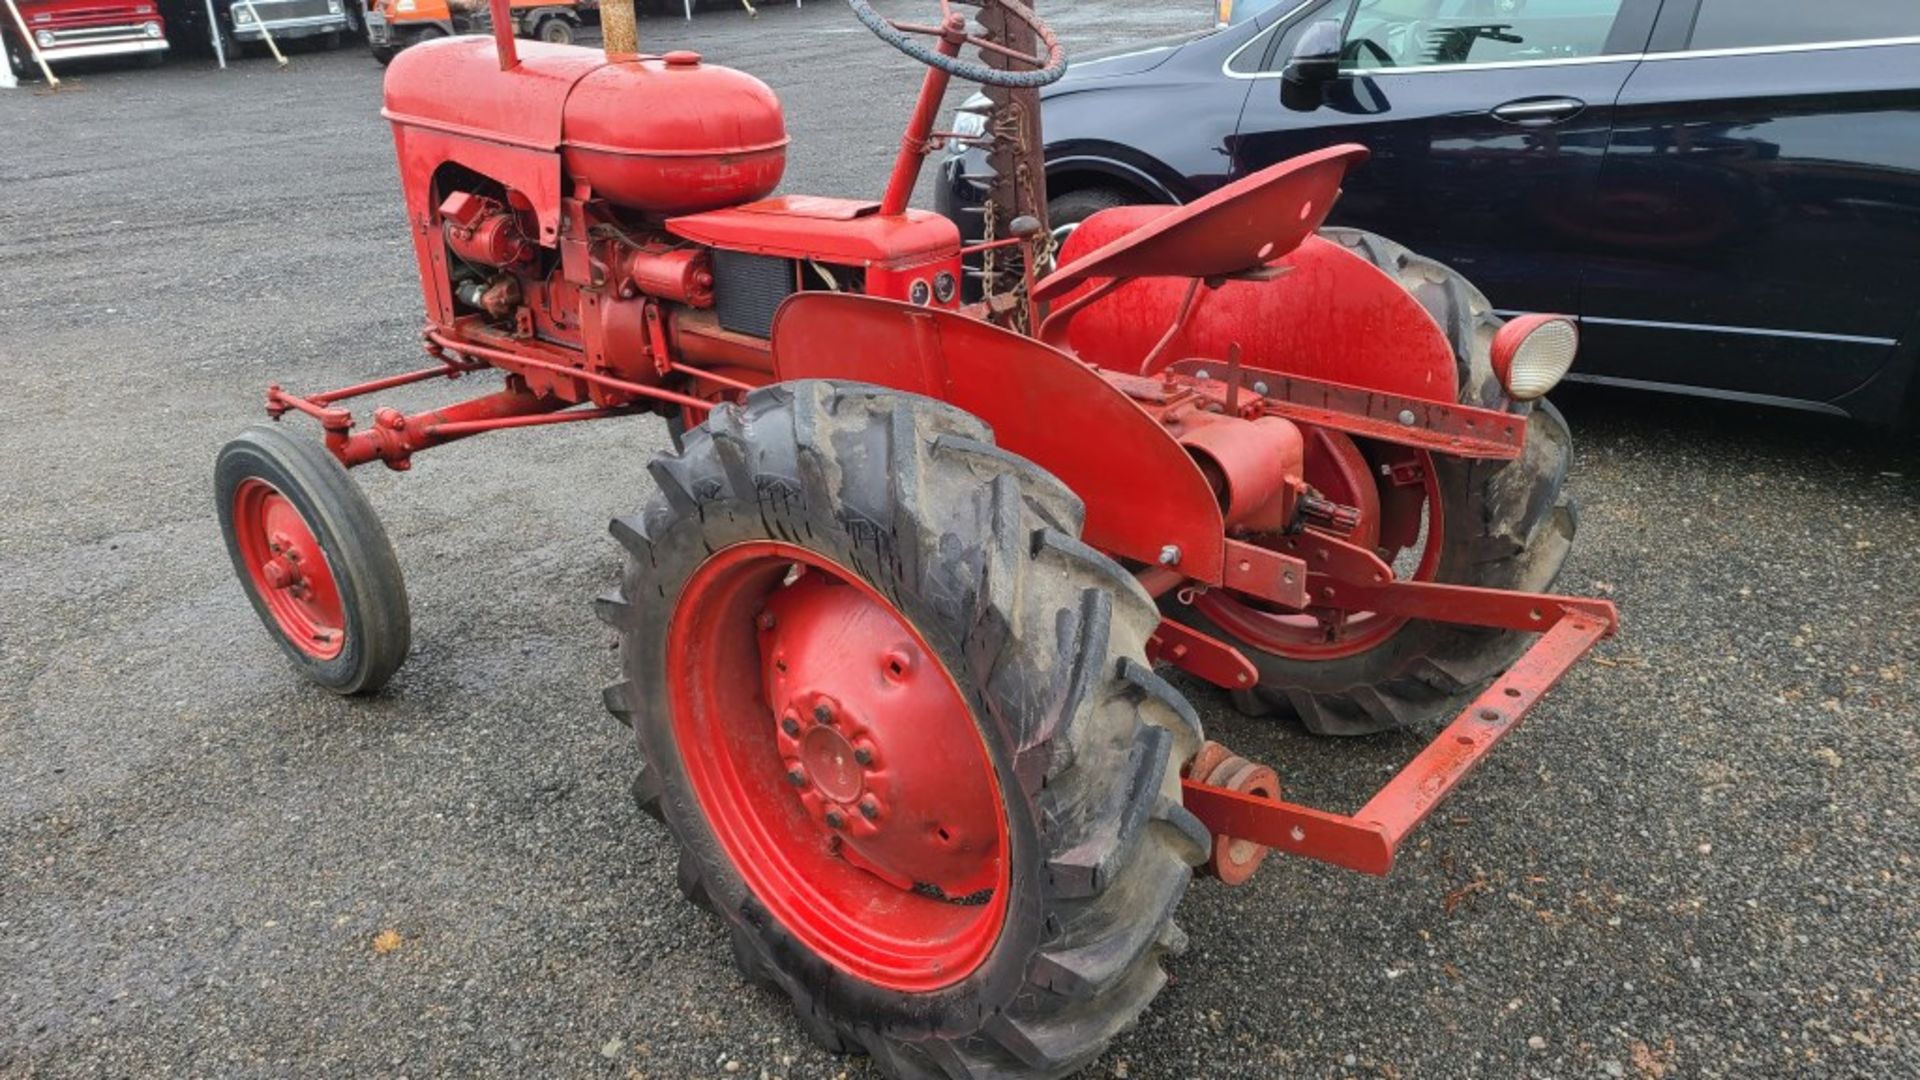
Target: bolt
pixel 1170 555
pixel 790 725
pixel 835 821
pixel 823 713
pixel 863 755
pixel 1407 417
pixel 797 776
pixel 1202 375
pixel 869 809
pixel 765 620
pixel 1260 388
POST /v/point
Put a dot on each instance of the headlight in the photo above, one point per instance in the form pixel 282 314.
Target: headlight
pixel 971 119
pixel 45 38
pixel 242 16
pixel 1533 353
pixel 153 30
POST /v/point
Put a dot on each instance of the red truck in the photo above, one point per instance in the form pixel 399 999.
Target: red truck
pixel 78 29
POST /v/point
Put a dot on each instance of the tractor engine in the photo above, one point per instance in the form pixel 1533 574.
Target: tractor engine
pixel 610 216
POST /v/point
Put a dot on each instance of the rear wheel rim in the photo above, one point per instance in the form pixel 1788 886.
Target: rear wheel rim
pixel 839 766
pixel 289 570
pixel 1319 636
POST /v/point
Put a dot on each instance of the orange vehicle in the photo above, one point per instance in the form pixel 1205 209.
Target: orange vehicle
pixel 393 25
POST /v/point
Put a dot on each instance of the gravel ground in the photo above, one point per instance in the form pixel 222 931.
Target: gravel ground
pixel 1698 859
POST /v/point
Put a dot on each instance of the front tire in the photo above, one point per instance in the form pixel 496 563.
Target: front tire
pixel 901 507
pixel 313 558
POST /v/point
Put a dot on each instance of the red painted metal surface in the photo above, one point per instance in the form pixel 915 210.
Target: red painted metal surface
pixel 289 569
pixel 1346 576
pixel 1446 427
pixel 1143 492
pixel 847 780
pixel 1331 316
pixel 1201 655
pixel 1231 859
pixel 829 230
pixel 914 143
pixel 1324 633
pixel 1366 840
pixel 667 138
pixel 1238 228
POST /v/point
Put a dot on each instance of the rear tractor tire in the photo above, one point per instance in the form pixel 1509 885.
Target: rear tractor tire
pixel 900 722
pixel 1506 525
pixel 313 558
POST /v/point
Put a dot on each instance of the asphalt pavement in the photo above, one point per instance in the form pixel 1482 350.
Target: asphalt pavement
pixel 1697 859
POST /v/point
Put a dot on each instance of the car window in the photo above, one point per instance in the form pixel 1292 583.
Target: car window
pixel 1426 33
pixel 1735 24
pixel 1235 12
pixel 1267 54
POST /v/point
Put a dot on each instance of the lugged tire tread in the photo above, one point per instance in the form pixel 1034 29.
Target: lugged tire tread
pixel 1094 789
pixel 1524 526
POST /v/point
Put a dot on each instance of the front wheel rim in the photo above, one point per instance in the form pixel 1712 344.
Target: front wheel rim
pixel 289 570
pixel 839 766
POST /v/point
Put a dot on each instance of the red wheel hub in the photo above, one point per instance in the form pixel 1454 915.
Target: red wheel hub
pixel 839 766
pixel 289 570
pixel 1395 509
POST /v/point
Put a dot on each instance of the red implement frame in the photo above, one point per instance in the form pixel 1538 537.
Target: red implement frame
pixel 1366 841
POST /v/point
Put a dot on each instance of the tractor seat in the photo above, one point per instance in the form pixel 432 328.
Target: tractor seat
pixel 1241 227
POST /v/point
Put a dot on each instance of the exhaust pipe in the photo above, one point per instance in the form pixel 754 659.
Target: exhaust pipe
pixel 619 33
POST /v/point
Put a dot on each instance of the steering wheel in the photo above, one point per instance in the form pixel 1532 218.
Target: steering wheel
pixel 952 33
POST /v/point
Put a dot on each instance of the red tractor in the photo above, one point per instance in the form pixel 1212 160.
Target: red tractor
pixel 891 615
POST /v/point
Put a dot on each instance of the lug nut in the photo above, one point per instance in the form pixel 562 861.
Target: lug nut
pixel 835 821
pixel 798 776
pixel 863 755
pixel 823 713
pixel 790 725
pixel 869 809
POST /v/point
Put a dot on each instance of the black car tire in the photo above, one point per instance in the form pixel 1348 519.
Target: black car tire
pixel 1077 206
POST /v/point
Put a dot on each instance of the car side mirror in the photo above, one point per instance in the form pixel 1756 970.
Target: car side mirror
pixel 1314 63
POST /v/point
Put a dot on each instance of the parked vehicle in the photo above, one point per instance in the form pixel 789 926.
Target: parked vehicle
pixel 67 30
pixel 393 25
pixel 289 20
pixel 1726 192
pixel 239 27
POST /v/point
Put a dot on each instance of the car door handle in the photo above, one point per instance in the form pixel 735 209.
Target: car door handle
pixel 1540 111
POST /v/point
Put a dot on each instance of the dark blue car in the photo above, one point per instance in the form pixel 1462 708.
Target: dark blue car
pixel 1725 192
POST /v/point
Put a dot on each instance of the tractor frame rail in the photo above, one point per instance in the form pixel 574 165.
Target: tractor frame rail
pixel 1366 840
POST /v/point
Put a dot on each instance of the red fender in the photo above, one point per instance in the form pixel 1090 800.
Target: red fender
pixel 1142 491
pixel 1331 316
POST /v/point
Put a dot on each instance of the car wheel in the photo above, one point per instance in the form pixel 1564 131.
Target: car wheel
pixel 1066 212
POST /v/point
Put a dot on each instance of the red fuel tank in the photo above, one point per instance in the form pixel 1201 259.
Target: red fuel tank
pixel 663 135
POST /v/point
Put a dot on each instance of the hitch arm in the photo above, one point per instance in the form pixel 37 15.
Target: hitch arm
pixel 1367 840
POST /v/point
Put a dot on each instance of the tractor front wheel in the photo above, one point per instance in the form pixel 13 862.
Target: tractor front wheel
pixel 313 558
pixel 900 722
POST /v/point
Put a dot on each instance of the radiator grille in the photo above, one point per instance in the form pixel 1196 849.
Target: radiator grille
pixel 747 289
